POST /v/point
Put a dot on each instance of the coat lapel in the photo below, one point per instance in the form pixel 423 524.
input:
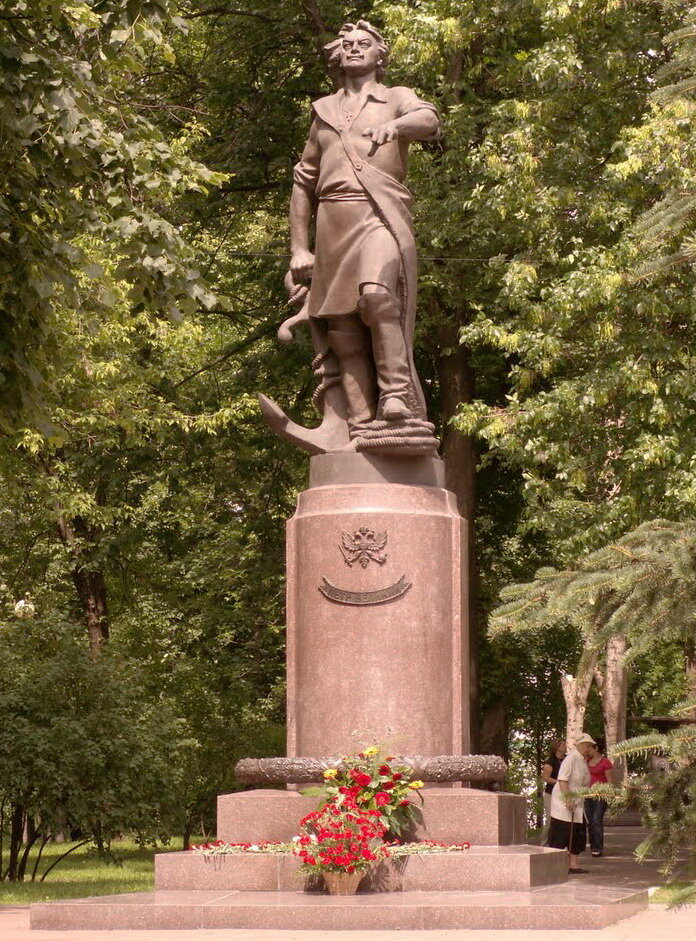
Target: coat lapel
pixel 328 110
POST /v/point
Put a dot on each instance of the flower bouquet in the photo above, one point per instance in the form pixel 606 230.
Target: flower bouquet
pixel 340 842
pixel 373 782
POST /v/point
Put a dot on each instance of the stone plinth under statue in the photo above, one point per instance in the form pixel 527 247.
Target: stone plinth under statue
pixel 377 647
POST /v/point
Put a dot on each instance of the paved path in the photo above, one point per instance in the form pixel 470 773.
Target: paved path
pixel 616 868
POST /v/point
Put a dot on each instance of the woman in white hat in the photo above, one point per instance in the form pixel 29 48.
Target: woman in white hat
pixel 567 830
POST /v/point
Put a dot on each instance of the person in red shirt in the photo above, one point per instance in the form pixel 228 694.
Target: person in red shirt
pixel 595 807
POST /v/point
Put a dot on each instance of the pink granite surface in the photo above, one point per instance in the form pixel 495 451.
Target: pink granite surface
pixel 457 815
pixel 450 815
pixel 487 867
pixel 395 672
pixel 569 906
pixel 264 814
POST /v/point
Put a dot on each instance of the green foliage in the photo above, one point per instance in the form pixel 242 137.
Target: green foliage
pixel 584 383
pixel 81 166
pixel 82 746
pixel 168 491
pixel 643 587
pixel 658 680
pixel 666 796
pixel 666 232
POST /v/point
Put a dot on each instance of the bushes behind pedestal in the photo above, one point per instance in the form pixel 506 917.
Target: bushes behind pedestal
pixel 83 749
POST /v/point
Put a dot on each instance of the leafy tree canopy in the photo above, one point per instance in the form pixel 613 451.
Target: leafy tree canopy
pixel 81 164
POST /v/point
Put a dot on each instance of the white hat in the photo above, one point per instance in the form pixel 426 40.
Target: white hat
pixel 581 739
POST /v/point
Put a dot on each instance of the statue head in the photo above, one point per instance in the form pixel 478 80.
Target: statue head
pixel 359 48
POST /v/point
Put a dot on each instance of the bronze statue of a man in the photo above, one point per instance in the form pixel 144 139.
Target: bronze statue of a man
pixel 362 297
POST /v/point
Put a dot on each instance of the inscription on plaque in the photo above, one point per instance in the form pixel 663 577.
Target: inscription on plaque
pixel 380 596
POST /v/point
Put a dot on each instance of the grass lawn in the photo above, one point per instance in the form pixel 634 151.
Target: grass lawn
pixel 663 893
pixel 84 873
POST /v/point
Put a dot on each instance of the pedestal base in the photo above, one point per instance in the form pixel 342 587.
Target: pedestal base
pixel 489 868
pixel 450 815
pixel 555 907
pixel 498 883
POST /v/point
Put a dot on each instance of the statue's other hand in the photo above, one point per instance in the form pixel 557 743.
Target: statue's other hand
pixel 382 135
pixel 302 265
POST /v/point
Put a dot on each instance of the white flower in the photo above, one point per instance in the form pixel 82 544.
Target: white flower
pixel 24 609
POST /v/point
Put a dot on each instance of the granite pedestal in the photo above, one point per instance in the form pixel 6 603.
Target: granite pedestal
pixel 376 593
pixel 377 652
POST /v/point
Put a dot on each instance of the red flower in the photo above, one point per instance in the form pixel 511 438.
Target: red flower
pixel 364 780
pixel 397 776
pixel 382 798
pixel 385 769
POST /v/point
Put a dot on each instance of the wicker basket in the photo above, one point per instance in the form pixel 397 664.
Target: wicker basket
pixel 342 883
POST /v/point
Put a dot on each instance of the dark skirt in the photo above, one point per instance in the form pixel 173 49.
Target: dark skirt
pixel 560 836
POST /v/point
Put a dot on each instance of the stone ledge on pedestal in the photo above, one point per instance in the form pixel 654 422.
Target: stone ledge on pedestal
pixel 450 815
pixel 554 907
pixel 479 868
pixel 438 769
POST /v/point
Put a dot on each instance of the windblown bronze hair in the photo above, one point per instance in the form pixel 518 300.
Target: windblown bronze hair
pixel 332 50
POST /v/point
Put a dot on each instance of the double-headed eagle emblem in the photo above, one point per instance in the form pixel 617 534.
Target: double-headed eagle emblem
pixel 363 546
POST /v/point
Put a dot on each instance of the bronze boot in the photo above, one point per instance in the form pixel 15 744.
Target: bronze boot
pixel 382 314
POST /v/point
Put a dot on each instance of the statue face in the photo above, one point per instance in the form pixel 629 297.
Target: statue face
pixel 359 53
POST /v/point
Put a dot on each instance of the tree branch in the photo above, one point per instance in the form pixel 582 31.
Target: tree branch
pixel 60 858
pixel 226 11
pixel 314 16
pixel 229 352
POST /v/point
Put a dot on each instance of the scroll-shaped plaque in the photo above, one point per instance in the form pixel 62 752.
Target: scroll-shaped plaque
pixel 380 596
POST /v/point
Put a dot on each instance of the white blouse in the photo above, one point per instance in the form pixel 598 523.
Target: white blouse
pixel 574 770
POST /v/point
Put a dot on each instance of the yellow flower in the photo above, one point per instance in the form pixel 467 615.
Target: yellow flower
pixel 416 784
pixel 330 773
pixel 372 750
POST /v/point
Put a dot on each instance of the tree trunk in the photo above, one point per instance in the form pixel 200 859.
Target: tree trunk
pixel 690 664
pixel 79 536
pixel 613 691
pixel 91 588
pixel 457 385
pixel 576 689
pixel 16 833
pixel 494 730
pixel 22 866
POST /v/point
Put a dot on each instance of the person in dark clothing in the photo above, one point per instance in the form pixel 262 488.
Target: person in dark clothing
pixel 549 772
pixel 601 772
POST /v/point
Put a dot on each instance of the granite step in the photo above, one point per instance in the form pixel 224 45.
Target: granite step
pixel 572 905
pixel 480 867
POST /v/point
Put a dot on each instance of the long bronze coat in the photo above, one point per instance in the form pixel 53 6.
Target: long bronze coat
pixel 364 230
